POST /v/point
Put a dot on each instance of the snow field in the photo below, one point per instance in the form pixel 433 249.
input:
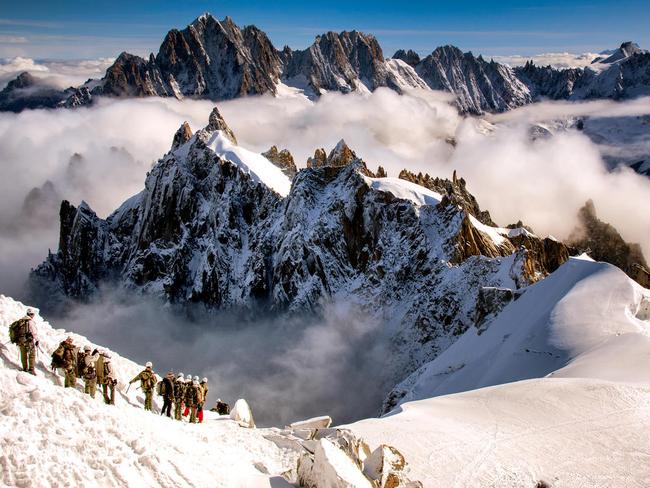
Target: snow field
pixel 556 388
pixel 260 168
pixel 568 432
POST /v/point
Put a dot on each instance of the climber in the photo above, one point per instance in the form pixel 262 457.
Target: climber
pixel 99 369
pixel 166 390
pixel 221 407
pixel 23 333
pixel 179 395
pixel 65 357
pixel 188 387
pixel 204 388
pixel 147 382
pixel 195 398
pixel 109 381
pixel 89 371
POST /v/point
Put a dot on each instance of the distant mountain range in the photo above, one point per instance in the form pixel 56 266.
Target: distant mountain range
pixel 217 60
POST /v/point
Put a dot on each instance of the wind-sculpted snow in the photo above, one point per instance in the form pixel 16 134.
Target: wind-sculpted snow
pixel 553 391
pixel 570 324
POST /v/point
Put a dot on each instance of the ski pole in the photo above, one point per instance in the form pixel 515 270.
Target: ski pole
pixel 127 388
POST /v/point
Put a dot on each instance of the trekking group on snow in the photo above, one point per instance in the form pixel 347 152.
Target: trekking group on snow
pixel 96 369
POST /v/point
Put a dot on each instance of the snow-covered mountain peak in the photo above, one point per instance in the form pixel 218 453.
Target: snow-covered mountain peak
pixel 203 18
pixel 624 51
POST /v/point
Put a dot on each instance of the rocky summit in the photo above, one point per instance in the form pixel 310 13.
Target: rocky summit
pixel 604 243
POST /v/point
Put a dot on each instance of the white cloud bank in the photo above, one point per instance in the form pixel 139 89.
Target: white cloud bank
pixel 60 74
pixel 541 182
pixel 557 60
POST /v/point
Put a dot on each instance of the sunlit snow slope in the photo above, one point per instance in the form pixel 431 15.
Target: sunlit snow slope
pixel 51 436
pixel 579 341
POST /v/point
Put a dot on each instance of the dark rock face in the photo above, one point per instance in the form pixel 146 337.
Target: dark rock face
pixel 39 206
pixel 340 62
pixel 150 242
pixel 490 302
pixel 545 81
pixel 28 92
pixel 626 50
pixel 208 59
pixel 183 135
pixel 217 122
pixel 480 86
pixel 603 243
pixel 338 157
pixel 132 76
pixel 410 57
pixel 80 96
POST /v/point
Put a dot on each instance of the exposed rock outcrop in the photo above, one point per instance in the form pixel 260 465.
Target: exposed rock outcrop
pixel 455 192
pixel 208 59
pixel 490 302
pixel 338 458
pixel 345 62
pixel 603 243
pixel 410 57
pixel 217 122
pixel 283 160
pixel 183 134
pixel 28 92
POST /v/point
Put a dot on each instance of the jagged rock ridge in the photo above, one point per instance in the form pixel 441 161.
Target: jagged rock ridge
pixel 209 228
pixel 282 159
pixel 624 74
pixel 215 59
pixel 480 86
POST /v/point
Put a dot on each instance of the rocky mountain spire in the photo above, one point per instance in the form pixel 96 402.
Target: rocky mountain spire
pixel 604 243
pixel 410 57
pixel 217 122
pixel 282 159
pixel 183 134
pixel 318 160
pixel 341 155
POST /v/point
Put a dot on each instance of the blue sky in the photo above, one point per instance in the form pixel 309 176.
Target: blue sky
pixel 88 29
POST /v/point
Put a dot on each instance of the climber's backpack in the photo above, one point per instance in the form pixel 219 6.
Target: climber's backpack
pixel 18 330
